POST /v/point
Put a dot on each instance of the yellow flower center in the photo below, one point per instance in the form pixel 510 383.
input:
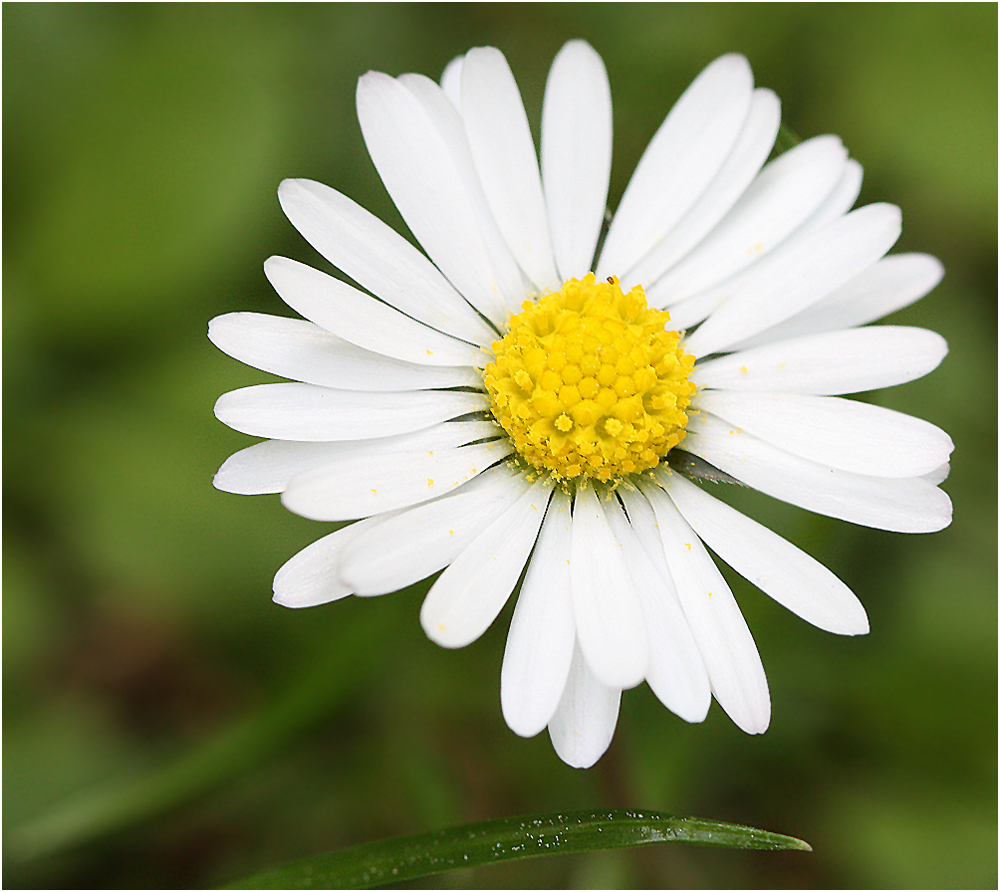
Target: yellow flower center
pixel 588 382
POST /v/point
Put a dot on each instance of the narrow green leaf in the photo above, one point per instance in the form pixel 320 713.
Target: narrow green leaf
pixel 506 839
pixel 785 140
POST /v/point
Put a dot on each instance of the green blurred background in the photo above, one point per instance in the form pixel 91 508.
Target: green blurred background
pixel 167 725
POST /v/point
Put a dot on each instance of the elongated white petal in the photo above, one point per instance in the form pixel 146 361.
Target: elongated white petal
pixel 447 120
pixel 775 204
pixel 834 362
pixel 310 577
pixel 307 412
pixel 826 259
pixel 584 723
pixel 269 466
pixel 743 163
pixel 774 565
pixel 938 475
pixel 294 348
pixel 468 596
pixel 424 539
pixel 681 160
pixel 608 614
pixel 844 434
pixel 504 155
pixel 542 631
pixel 676 672
pixel 360 487
pixel 417 164
pixel 894 282
pixel 725 642
pixel 576 155
pixel 379 258
pixel 699 306
pixel 902 505
pixel 840 200
pixel 451 81
pixel 359 318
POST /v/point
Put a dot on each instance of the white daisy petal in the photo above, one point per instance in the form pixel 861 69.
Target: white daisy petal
pixel 428 537
pixel 310 577
pixel 418 165
pixel 891 284
pixel 294 348
pixel 376 257
pixel 510 283
pixel 774 565
pixel 699 306
pixel 744 161
pixel 902 505
pixel 725 642
pixel 307 412
pixel 451 81
pixel 840 200
pixel 825 260
pixel 504 155
pixel 467 597
pixel 843 434
pixel 584 723
pixel 542 631
pixel 269 466
pixel 609 626
pixel 576 155
pixel 938 475
pixel 831 363
pixel 681 160
pixel 777 202
pixel 676 672
pixel 362 320
pixel 360 487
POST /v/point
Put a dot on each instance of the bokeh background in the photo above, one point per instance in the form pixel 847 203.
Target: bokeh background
pixel 167 725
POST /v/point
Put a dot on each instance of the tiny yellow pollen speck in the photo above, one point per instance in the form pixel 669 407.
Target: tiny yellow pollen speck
pixel 710 594
pixel 687 545
pixel 451 532
pixel 374 490
pixel 430 481
pixel 442 627
pixel 743 369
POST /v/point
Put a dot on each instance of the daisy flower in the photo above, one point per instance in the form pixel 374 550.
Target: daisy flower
pixel 527 398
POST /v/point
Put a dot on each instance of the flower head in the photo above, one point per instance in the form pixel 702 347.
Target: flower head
pixel 517 400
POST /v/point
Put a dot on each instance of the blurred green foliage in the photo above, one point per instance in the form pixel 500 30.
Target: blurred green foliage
pixel 142 149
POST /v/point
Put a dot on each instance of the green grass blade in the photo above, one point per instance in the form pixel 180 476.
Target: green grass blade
pixel 785 140
pixel 506 839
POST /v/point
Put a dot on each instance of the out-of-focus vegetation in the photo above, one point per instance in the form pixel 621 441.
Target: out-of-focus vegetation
pixel 142 149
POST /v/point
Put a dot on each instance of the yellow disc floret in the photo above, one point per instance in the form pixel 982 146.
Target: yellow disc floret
pixel 588 382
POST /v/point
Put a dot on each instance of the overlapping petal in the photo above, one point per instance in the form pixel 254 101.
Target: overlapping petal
pixel 899 504
pixel 365 485
pixel 683 157
pixel 536 662
pixel 456 613
pixel 302 351
pixel 428 537
pixel 576 155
